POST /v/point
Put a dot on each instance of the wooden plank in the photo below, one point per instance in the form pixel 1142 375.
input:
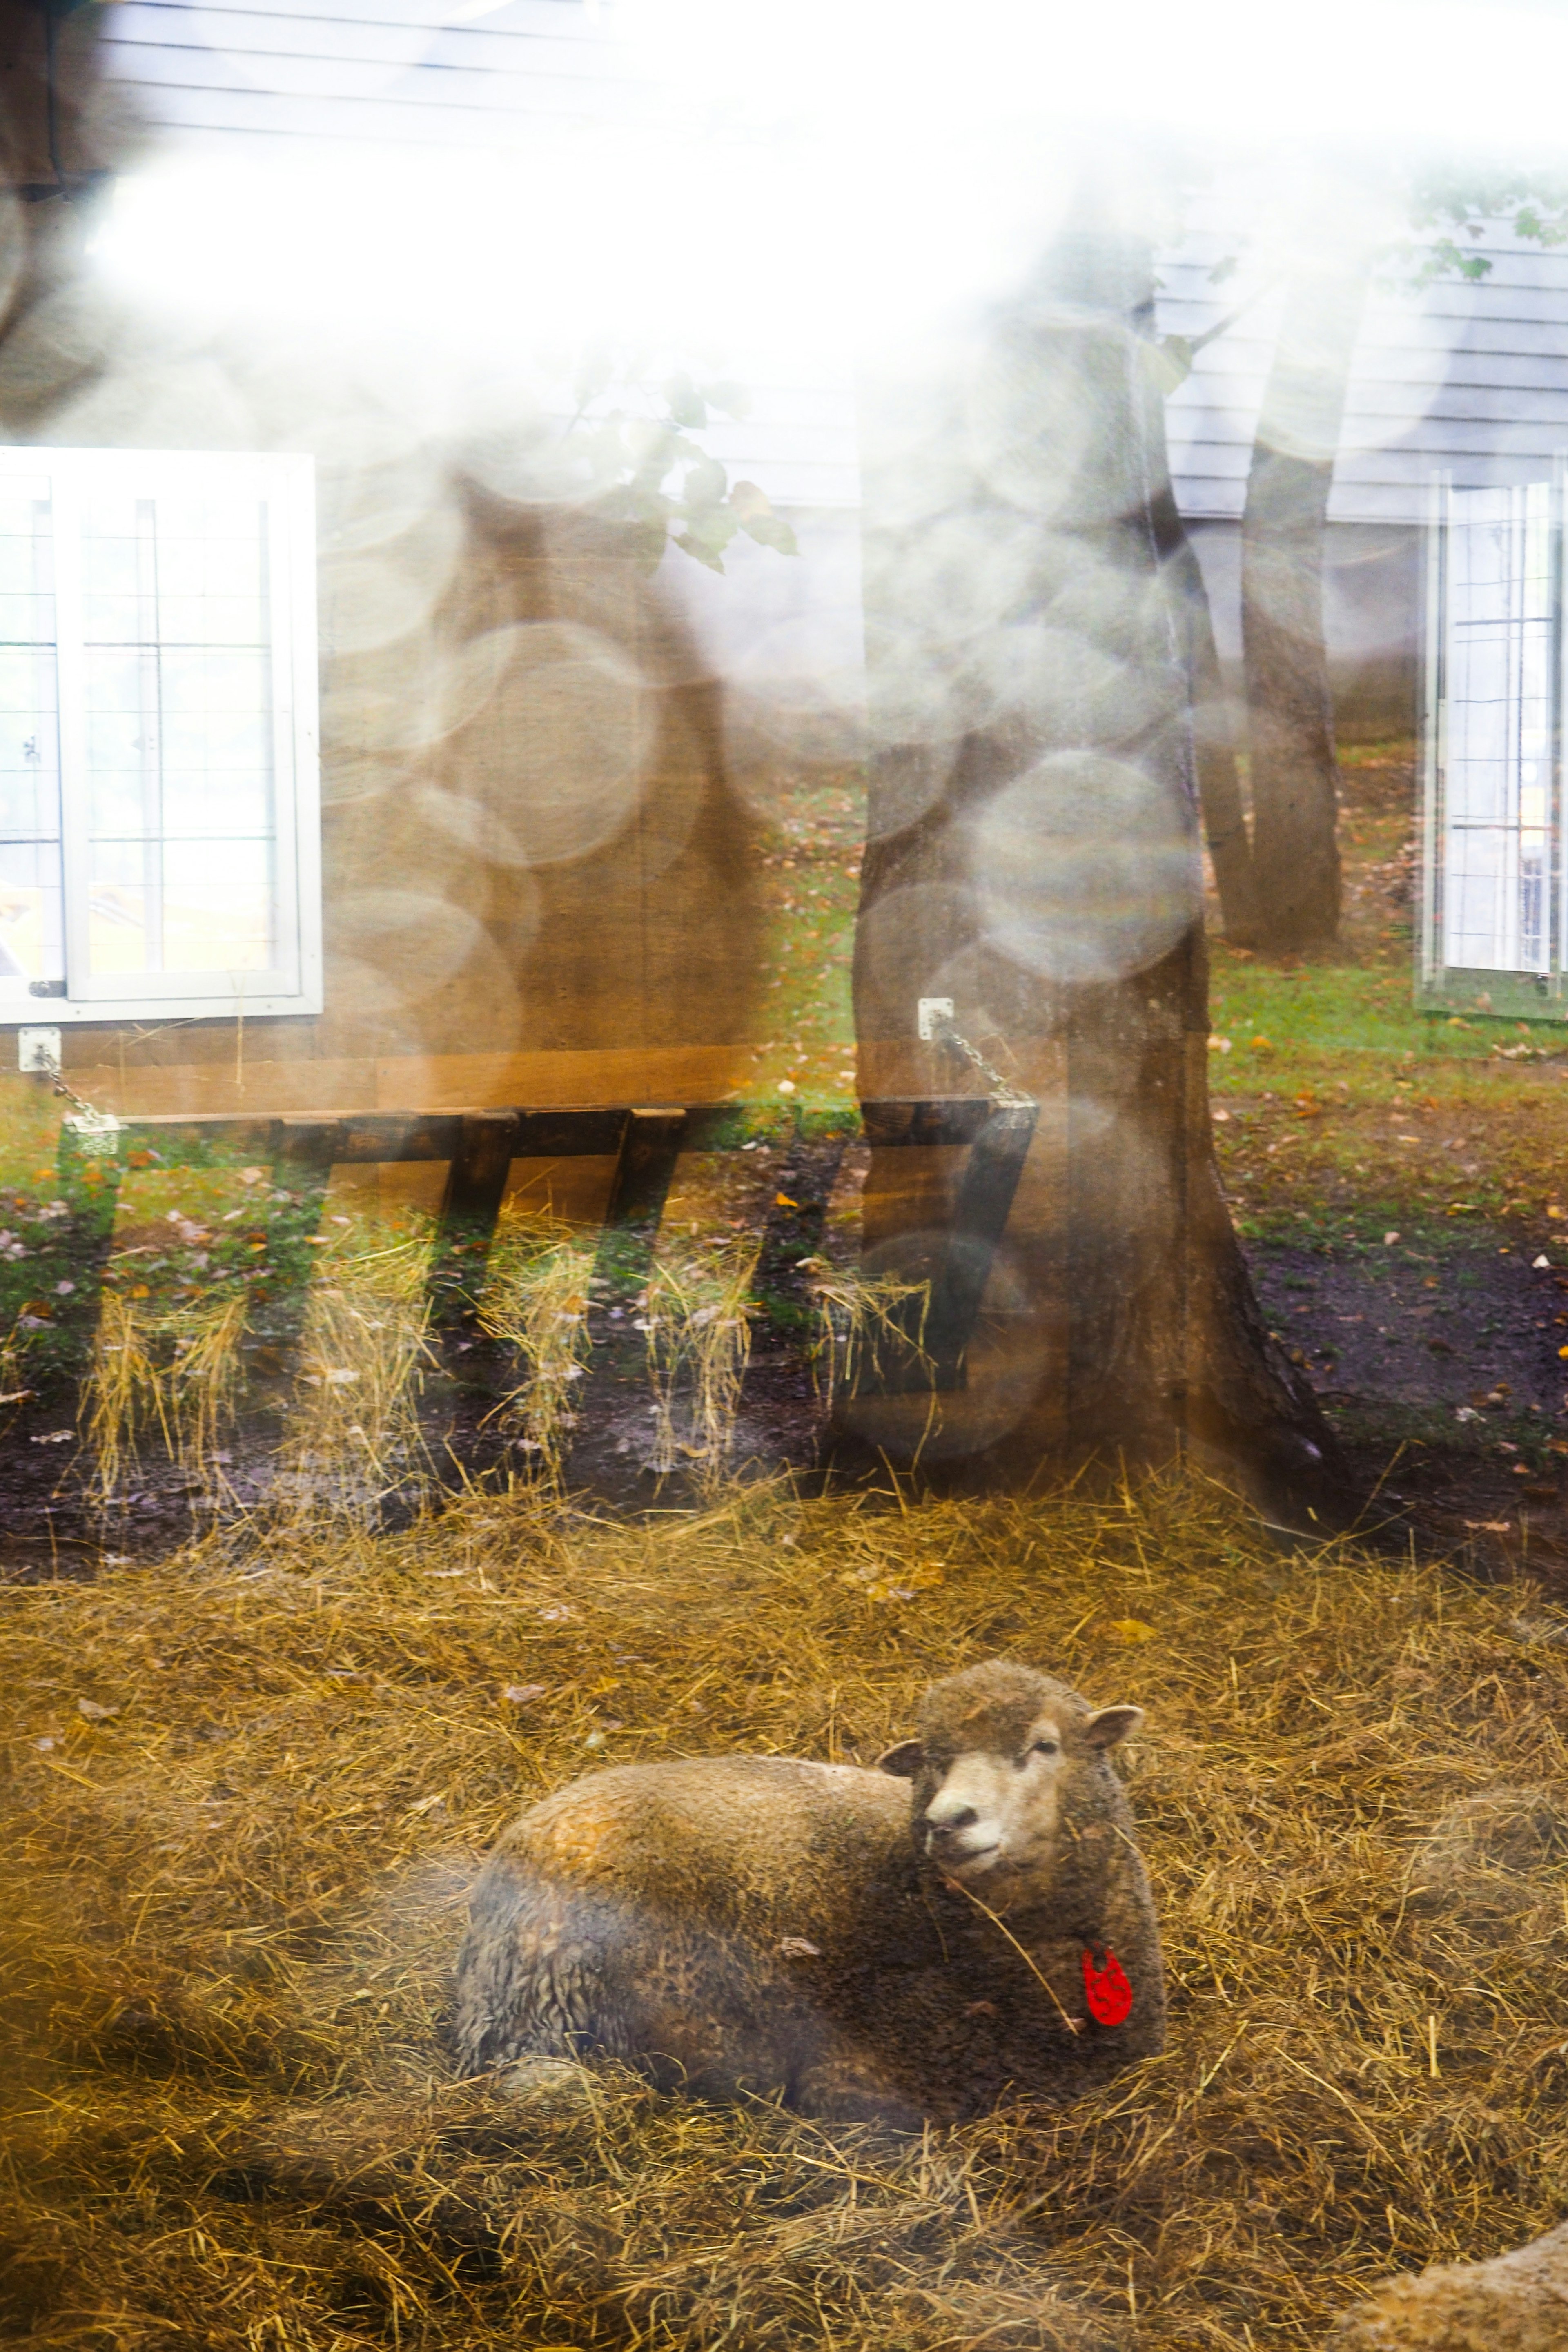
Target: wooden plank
pixel 568 1134
pixel 476 1181
pixel 933 1123
pixel 366 1142
pixel 568 1081
pixel 651 1143
pixel 985 1193
pixel 414 1084
pixel 325 1089
pixel 480 1165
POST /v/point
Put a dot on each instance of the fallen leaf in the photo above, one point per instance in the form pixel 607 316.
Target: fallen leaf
pixel 1130 1629
pixel 522 1694
pixel 90 1711
pixel 798 1947
pixel 1489 1527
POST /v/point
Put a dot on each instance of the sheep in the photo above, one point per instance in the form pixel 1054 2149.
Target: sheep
pixel 823 1935
pixel 1518 2302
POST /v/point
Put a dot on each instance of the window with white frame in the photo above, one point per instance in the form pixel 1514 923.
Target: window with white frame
pixel 1492 913
pixel 159 790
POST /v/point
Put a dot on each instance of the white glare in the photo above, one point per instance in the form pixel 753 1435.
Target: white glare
pixel 1444 72
pixel 793 183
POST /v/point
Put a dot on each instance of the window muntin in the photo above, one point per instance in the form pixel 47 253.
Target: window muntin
pixel 32 933
pixel 158 786
pixel 1497 769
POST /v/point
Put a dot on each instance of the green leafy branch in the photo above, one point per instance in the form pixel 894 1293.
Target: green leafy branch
pixel 1466 203
pixel 650 472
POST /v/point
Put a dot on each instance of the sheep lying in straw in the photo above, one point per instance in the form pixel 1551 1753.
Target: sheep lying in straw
pixel 764 1925
pixel 1516 2303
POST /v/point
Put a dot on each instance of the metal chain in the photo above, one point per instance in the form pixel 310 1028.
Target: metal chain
pixel 103 1122
pixel 947 1032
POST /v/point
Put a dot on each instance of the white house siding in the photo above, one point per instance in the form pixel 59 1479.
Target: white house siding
pixel 374 71
pixel 1465 377
pixel 282 78
pixel 1468 377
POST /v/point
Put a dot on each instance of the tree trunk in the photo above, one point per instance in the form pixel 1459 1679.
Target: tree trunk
pixel 1214 745
pixel 1294 773
pixel 1033 856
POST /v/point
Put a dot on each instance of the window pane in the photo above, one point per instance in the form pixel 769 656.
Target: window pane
pixel 1499 630
pixel 181 788
pixel 31 930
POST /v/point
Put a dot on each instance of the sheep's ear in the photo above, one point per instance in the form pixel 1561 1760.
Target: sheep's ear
pixel 1109 1726
pixel 902 1761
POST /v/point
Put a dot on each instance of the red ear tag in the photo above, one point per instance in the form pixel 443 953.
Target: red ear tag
pixel 1105 1986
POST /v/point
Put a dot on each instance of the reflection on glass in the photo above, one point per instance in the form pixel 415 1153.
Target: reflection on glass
pixel 1499 730
pixel 31 931
pixel 177 665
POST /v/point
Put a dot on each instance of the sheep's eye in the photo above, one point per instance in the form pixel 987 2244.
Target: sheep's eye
pixel 1044 1747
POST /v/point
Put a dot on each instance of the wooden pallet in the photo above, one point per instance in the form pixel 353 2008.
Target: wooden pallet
pixel 479 1146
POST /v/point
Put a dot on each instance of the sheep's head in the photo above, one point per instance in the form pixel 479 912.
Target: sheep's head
pixel 999 1751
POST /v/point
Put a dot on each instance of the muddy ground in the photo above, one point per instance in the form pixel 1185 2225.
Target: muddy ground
pixel 1430 1327
pixel 1442 1378
pixel 1440 1374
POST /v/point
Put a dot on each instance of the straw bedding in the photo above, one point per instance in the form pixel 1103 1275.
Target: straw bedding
pixel 247 1790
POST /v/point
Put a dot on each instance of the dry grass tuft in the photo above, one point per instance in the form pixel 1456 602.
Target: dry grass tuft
pixel 353 1439
pixel 204 1384
pixel 867 1326
pixel 535 1298
pixel 247 1791
pixel 176 1370
pixel 123 1397
pixel 698 1321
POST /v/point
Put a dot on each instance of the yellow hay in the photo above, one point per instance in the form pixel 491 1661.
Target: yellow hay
pixel 13 1357
pixel 247 1792
pixel 696 1319
pixel 203 1382
pixel 353 1439
pixel 123 1396
pixel 865 1325
pixel 535 1298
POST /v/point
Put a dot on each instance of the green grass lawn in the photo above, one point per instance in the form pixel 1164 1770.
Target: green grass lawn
pixel 1341 1108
